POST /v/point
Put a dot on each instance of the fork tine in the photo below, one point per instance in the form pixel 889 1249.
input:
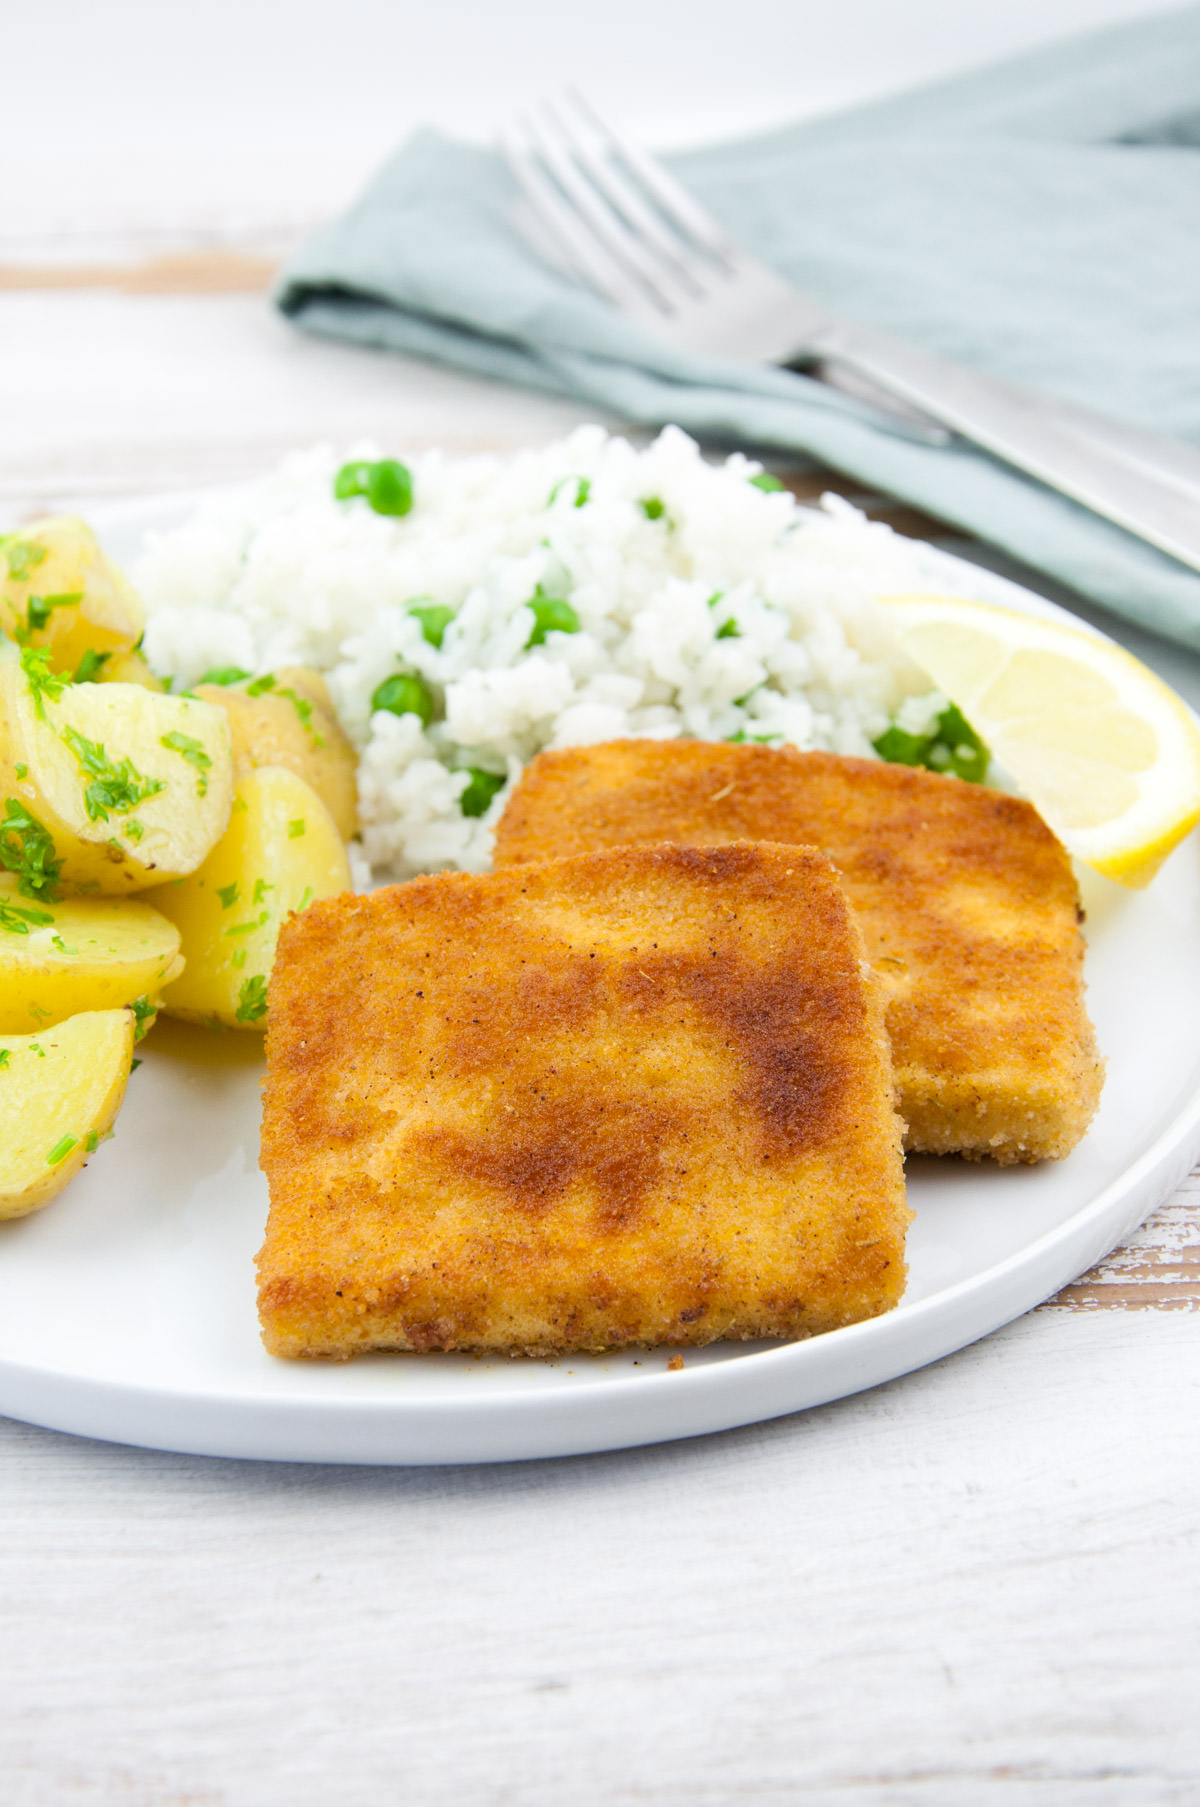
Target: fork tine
pixel 609 228
pixel 675 201
pixel 589 260
pixel 589 151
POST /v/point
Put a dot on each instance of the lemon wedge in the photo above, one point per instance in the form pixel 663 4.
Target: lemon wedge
pixel 1107 753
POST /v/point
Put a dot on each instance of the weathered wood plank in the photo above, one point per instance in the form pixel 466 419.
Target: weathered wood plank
pixel 182 273
pixel 1158 1269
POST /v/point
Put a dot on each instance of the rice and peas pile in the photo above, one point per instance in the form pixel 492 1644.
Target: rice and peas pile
pixel 579 592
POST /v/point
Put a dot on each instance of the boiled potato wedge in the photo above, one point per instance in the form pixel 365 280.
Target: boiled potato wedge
pixel 59 1093
pixel 128 668
pixel 106 787
pixel 84 954
pixel 60 592
pixel 280 852
pixel 287 719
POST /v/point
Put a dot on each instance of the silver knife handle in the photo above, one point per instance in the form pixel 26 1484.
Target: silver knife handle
pixel 1013 427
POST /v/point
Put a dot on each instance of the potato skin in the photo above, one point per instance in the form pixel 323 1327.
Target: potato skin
pixel 129 668
pixel 280 852
pixel 81 954
pixel 60 1091
pixel 293 725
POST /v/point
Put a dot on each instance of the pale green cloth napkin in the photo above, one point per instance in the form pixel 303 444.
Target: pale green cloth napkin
pixel 1040 220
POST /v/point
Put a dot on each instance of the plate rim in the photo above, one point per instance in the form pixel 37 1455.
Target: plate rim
pixel 478 1427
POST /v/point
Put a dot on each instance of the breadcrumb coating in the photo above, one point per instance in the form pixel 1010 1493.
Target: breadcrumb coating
pixel 967 901
pixel 637 1097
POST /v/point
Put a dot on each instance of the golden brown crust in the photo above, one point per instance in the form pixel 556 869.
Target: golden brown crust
pixel 967 902
pixel 637 1097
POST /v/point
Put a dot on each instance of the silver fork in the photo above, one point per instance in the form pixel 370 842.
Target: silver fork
pixel 622 226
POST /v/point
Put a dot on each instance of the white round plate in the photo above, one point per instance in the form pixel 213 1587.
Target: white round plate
pixel 127 1308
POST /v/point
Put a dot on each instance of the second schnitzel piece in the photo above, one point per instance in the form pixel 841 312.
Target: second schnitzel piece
pixel 967 901
pixel 638 1097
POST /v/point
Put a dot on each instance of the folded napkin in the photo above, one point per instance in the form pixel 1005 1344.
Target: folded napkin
pixel 1037 220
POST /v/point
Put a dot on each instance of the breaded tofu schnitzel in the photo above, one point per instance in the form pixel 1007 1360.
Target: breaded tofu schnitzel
pixel 968 906
pixel 638 1097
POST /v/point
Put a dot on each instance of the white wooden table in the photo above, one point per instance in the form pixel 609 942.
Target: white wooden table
pixel 977 1583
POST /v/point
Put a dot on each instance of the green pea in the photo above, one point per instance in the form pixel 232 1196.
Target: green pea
pixel 351 480
pixel 766 481
pixel 434 620
pixel 389 487
pixel 386 484
pixel 551 615
pixel 477 797
pixel 405 694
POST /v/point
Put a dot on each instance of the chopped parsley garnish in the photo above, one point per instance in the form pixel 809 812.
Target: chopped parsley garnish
pixel 583 489
pixel 248 928
pixel 252 1000
pixel 22 771
pixel 17 919
pixel 90 666
pixel 386 484
pixel 653 507
pixel 223 674
pixel 296 828
pixel 134 830
pixel 23 557
pixel 951 747
pixel 767 482
pixel 405 694
pixel 477 797
pixel 728 630
pixel 193 751
pixel 266 683
pixel 36 1047
pixel 4 1057
pixel 91 1141
pixel 43 682
pixel 306 898
pixel 27 849
pixel 60 946
pixel 434 619
pixel 741 738
pixel 144 1013
pixel 39 608
pixel 261 887
pixel 115 788
pixel 61 1150
pixel 228 895
pixel 551 615
pixel 304 710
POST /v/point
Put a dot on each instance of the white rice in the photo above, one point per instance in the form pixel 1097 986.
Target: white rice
pixel 281 573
